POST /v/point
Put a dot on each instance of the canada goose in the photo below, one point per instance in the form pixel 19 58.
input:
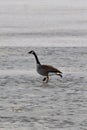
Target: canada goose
pixel 45 70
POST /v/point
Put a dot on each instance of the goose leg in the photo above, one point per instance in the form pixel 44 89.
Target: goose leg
pixel 47 79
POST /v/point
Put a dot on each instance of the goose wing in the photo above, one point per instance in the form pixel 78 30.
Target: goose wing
pixel 51 69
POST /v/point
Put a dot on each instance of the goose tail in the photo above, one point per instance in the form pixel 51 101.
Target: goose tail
pixel 59 73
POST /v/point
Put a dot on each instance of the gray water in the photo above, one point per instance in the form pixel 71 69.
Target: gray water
pixel 26 103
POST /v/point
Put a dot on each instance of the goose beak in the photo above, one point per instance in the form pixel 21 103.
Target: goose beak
pixel 29 52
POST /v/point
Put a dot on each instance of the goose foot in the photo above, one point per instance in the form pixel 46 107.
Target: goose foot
pixel 46 79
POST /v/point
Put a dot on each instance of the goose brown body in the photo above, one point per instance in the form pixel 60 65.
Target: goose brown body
pixel 45 70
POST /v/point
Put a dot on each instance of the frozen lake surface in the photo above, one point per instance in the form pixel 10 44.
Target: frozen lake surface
pixel 57 31
pixel 43 23
pixel 26 103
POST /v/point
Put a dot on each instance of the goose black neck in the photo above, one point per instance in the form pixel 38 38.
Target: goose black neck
pixel 37 60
